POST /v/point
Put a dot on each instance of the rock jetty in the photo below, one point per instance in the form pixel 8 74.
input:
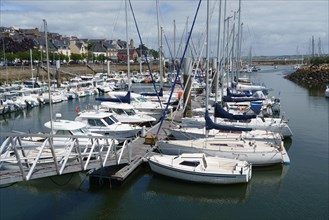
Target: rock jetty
pixel 311 75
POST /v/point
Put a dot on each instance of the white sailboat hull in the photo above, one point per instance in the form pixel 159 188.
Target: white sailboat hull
pixel 196 133
pixel 269 124
pixel 258 154
pixel 215 171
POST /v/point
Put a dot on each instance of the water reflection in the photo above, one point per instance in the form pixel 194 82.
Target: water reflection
pixel 55 184
pixel 317 90
pixel 219 194
pixel 273 175
pixel 287 143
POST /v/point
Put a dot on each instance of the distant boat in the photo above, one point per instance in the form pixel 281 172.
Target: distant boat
pixel 197 167
pixel 326 93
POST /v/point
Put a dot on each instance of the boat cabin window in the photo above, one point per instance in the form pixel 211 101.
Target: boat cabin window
pixel 96 122
pixel 108 121
pixel 118 111
pixel 80 131
pixel 219 144
pixel 130 112
pixel 190 163
pixel 112 120
pixel 139 99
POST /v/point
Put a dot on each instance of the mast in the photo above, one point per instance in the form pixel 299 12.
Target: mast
pixel 232 50
pixel 31 65
pixel 218 54
pixel 161 59
pixel 49 83
pixel 207 60
pixel 238 46
pixel 4 58
pixel 127 45
pixel 174 55
pixel 159 44
pixel 222 70
pixel 140 58
pixel 227 51
pixel 41 63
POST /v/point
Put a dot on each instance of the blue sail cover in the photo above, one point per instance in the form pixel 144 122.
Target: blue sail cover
pixel 121 99
pixel 241 99
pixel 256 107
pixel 160 94
pixel 222 113
pixel 211 125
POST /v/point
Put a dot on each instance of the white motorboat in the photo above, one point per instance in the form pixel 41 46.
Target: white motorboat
pixel 257 153
pixel 200 168
pixel 127 114
pixel 57 96
pixel 30 100
pixel 107 124
pixel 248 87
pixel 140 103
pixel 70 128
pixel 14 101
pixel 64 132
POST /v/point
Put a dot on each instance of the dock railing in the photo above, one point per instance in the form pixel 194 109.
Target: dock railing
pixel 29 156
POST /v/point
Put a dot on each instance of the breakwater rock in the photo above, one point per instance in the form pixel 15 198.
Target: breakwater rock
pixel 310 75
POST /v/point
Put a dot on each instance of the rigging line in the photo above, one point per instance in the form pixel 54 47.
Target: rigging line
pixel 171 55
pixel 147 62
pixel 181 41
pixel 195 63
pixel 180 66
pixel 115 21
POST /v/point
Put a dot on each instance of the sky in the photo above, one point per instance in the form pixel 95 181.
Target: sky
pixel 270 27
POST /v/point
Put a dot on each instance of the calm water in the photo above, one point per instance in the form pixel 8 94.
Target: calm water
pixel 297 191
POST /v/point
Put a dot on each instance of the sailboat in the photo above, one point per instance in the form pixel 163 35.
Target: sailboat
pixel 198 167
pixel 258 153
pixel 201 168
pixel 278 125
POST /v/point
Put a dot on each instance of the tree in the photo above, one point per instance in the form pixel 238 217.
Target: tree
pixel 143 49
pixel 76 57
pixel 154 53
pixel 101 58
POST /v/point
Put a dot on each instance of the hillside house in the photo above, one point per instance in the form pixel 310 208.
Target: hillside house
pixel 122 54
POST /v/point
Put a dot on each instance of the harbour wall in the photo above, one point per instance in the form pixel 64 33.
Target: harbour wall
pixel 311 75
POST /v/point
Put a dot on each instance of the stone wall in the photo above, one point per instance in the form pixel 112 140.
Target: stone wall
pixel 311 75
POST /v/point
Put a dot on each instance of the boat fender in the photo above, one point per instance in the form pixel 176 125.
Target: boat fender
pixel 76 109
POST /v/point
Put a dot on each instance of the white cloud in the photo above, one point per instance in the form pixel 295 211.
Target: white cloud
pixel 270 27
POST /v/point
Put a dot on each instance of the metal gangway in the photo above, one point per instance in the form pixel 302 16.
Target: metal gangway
pixel 24 157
